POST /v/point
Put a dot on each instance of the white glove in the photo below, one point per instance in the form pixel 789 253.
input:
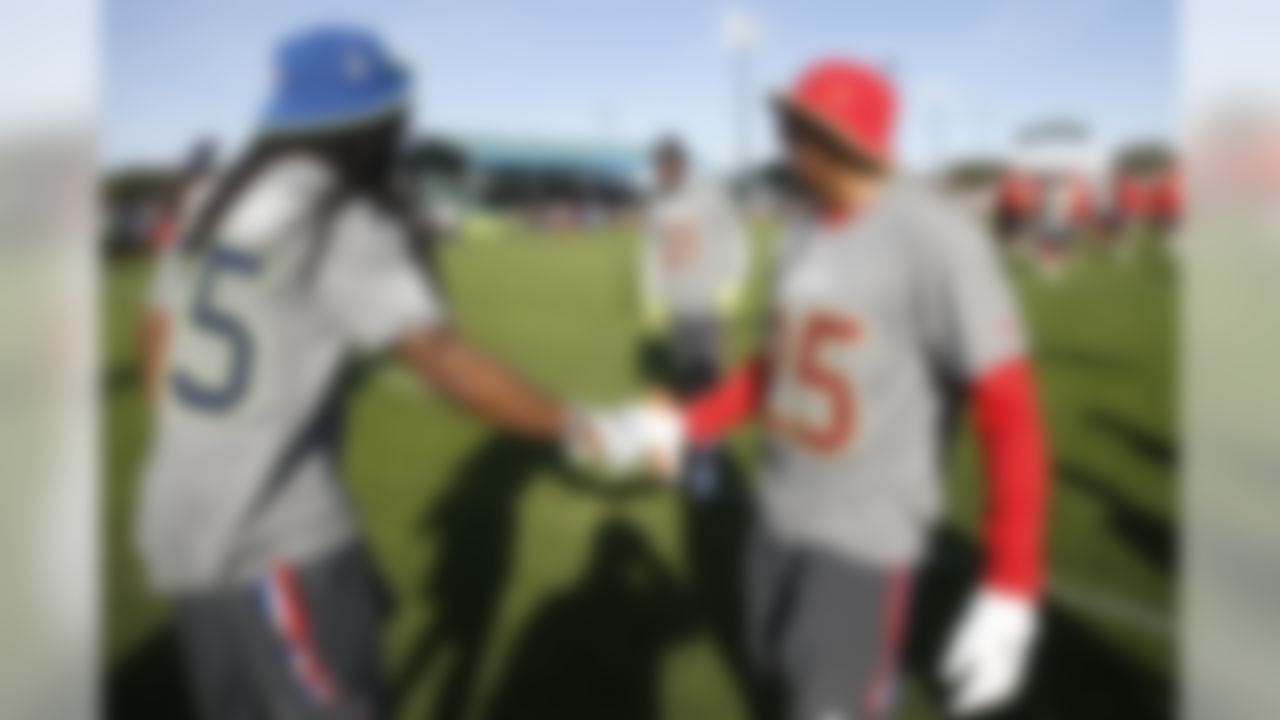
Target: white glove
pixel 661 434
pixel 647 435
pixel 606 439
pixel 987 659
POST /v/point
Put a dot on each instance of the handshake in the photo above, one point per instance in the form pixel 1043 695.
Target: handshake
pixel 643 436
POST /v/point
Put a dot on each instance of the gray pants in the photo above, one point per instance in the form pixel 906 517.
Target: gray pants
pixel 824 632
pixel 302 642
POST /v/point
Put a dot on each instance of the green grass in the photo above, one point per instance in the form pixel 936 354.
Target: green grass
pixel 519 587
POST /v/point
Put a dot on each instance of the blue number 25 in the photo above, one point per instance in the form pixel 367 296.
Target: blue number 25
pixel 224 326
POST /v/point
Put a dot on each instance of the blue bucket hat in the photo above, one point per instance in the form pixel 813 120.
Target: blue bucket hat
pixel 333 76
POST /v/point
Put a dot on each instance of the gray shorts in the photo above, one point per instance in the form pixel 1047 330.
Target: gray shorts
pixel 824 631
pixel 301 642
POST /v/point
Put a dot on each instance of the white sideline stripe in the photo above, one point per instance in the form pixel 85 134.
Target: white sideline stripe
pixel 1106 606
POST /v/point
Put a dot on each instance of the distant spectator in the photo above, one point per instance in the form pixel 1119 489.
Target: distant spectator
pixel 163 230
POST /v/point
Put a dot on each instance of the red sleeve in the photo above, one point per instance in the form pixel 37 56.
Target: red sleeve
pixel 1015 469
pixel 727 405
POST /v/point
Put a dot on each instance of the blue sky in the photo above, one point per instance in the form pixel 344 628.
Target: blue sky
pixel 970 71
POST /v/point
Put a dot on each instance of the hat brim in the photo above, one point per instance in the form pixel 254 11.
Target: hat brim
pixel 787 106
pixel 311 113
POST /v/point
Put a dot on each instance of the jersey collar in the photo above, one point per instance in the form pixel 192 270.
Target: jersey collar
pixel 834 219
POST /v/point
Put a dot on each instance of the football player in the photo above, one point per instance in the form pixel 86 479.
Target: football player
pixel 302 259
pixel 890 313
pixel 1055 227
pixel 693 263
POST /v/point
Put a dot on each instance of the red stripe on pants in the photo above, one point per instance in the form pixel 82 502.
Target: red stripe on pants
pixel 295 627
pixel 877 697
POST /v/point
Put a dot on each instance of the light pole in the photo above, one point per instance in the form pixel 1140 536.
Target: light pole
pixel 741 34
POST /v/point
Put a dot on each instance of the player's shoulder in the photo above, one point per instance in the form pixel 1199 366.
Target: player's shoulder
pixel 929 214
pixel 919 198
pixel 280 197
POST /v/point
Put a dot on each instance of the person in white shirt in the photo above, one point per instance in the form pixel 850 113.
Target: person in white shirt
pixel 694 264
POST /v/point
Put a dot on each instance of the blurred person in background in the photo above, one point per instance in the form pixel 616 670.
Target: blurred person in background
pixel 1015 203
pixel 694 262
pixel 300 261
pixel 1166 208
pixel 1128 213
pixel 890 315
pixel 1057 227
pixel 1084 211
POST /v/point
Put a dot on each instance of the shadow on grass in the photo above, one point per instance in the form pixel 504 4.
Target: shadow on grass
pixel 1152 537
pixel 715 539
pixel 595 650
pixel 149 682
pixel 473 527
pixel 1154 447
pixel 1087 361
pixel 1077 672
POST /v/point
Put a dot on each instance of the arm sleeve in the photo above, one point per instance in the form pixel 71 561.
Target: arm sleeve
pixel 729 404
pixel 372 285
pixel 977 336
pixel 1012 447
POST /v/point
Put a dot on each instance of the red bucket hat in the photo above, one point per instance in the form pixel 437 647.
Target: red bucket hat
pixel 852 103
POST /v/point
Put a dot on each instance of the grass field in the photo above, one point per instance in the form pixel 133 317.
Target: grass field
pixel 523 592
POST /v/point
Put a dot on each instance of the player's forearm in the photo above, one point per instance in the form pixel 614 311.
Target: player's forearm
pixel 481 385
pixel 1016 471
pixel 154 342
pixel 735 400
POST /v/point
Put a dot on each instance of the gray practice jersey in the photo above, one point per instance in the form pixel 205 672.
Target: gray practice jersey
pixel 694 248
pixel 243 469
pixel 875 320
